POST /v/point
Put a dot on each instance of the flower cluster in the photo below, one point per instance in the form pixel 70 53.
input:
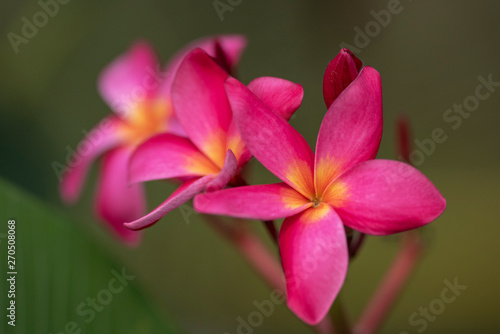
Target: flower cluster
pixel 200 125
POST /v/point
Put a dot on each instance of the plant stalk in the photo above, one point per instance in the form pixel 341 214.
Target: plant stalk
pixel 392 284
pixel 262 260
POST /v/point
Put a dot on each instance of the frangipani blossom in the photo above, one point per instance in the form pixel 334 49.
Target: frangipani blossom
pixel 214 152
pixel 140 97
pixel 321 192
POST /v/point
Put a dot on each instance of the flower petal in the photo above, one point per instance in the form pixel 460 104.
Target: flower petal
pixel 228 47
pixel 166 156
pixel 116 200
pixel 100 139
pixel 183 194
pixel 263 202
pixel 236 144
pixel 175 127
pixel 314 256
pixel 351 130
pixel 231 46
pixel 339 74
pixel 186 191
pixel 282 96
pixel 130 78
pixel 201 104
pixel 381 197
pixel 274 142
pixel 225 174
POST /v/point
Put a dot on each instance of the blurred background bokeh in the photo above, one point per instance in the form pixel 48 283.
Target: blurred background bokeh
pixel 430 56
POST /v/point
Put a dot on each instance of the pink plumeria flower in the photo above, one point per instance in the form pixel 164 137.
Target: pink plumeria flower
pixel 140 96
pixel 340 184
pixel 214 152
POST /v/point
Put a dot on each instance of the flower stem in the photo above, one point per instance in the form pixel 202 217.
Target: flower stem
pixel 355 244
pixel 253 250
pixel 261 259
pixel 391 285
pixel 339 317
pixel 271 228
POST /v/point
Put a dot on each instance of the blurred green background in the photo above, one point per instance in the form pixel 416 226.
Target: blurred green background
pixel 430 56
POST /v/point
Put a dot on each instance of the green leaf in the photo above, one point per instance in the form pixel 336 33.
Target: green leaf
pixel 61 273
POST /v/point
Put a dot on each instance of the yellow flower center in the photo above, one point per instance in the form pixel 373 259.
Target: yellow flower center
pixel 147 118
pixel 316 202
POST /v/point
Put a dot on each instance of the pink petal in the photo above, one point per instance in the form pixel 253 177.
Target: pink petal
pixel 186 191
pixel 167 156
pixel 274 142
pixel 100 139
pixel 201 104
pixel 236 144
pixel 382 197
pixel 130 78
pixel 351 129
pixel 314 256
pixel 282 96
pixel 263 202
pixel 183 194
pixel 339 74
pixel 116 200
pixel 231 45
pixel 175 127
pixel 225 174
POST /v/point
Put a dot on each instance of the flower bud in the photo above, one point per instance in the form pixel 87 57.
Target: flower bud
pixel 340 72
pixel 403 141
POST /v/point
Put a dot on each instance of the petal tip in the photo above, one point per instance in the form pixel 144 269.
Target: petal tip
pixel 441 207
pixel 310 317
pixel 138 225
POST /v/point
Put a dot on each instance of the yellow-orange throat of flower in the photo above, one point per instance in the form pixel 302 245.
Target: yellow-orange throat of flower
pixel 145 119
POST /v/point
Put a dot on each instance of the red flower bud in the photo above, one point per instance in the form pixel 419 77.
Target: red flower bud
pixel 340 72
pixel 404 138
